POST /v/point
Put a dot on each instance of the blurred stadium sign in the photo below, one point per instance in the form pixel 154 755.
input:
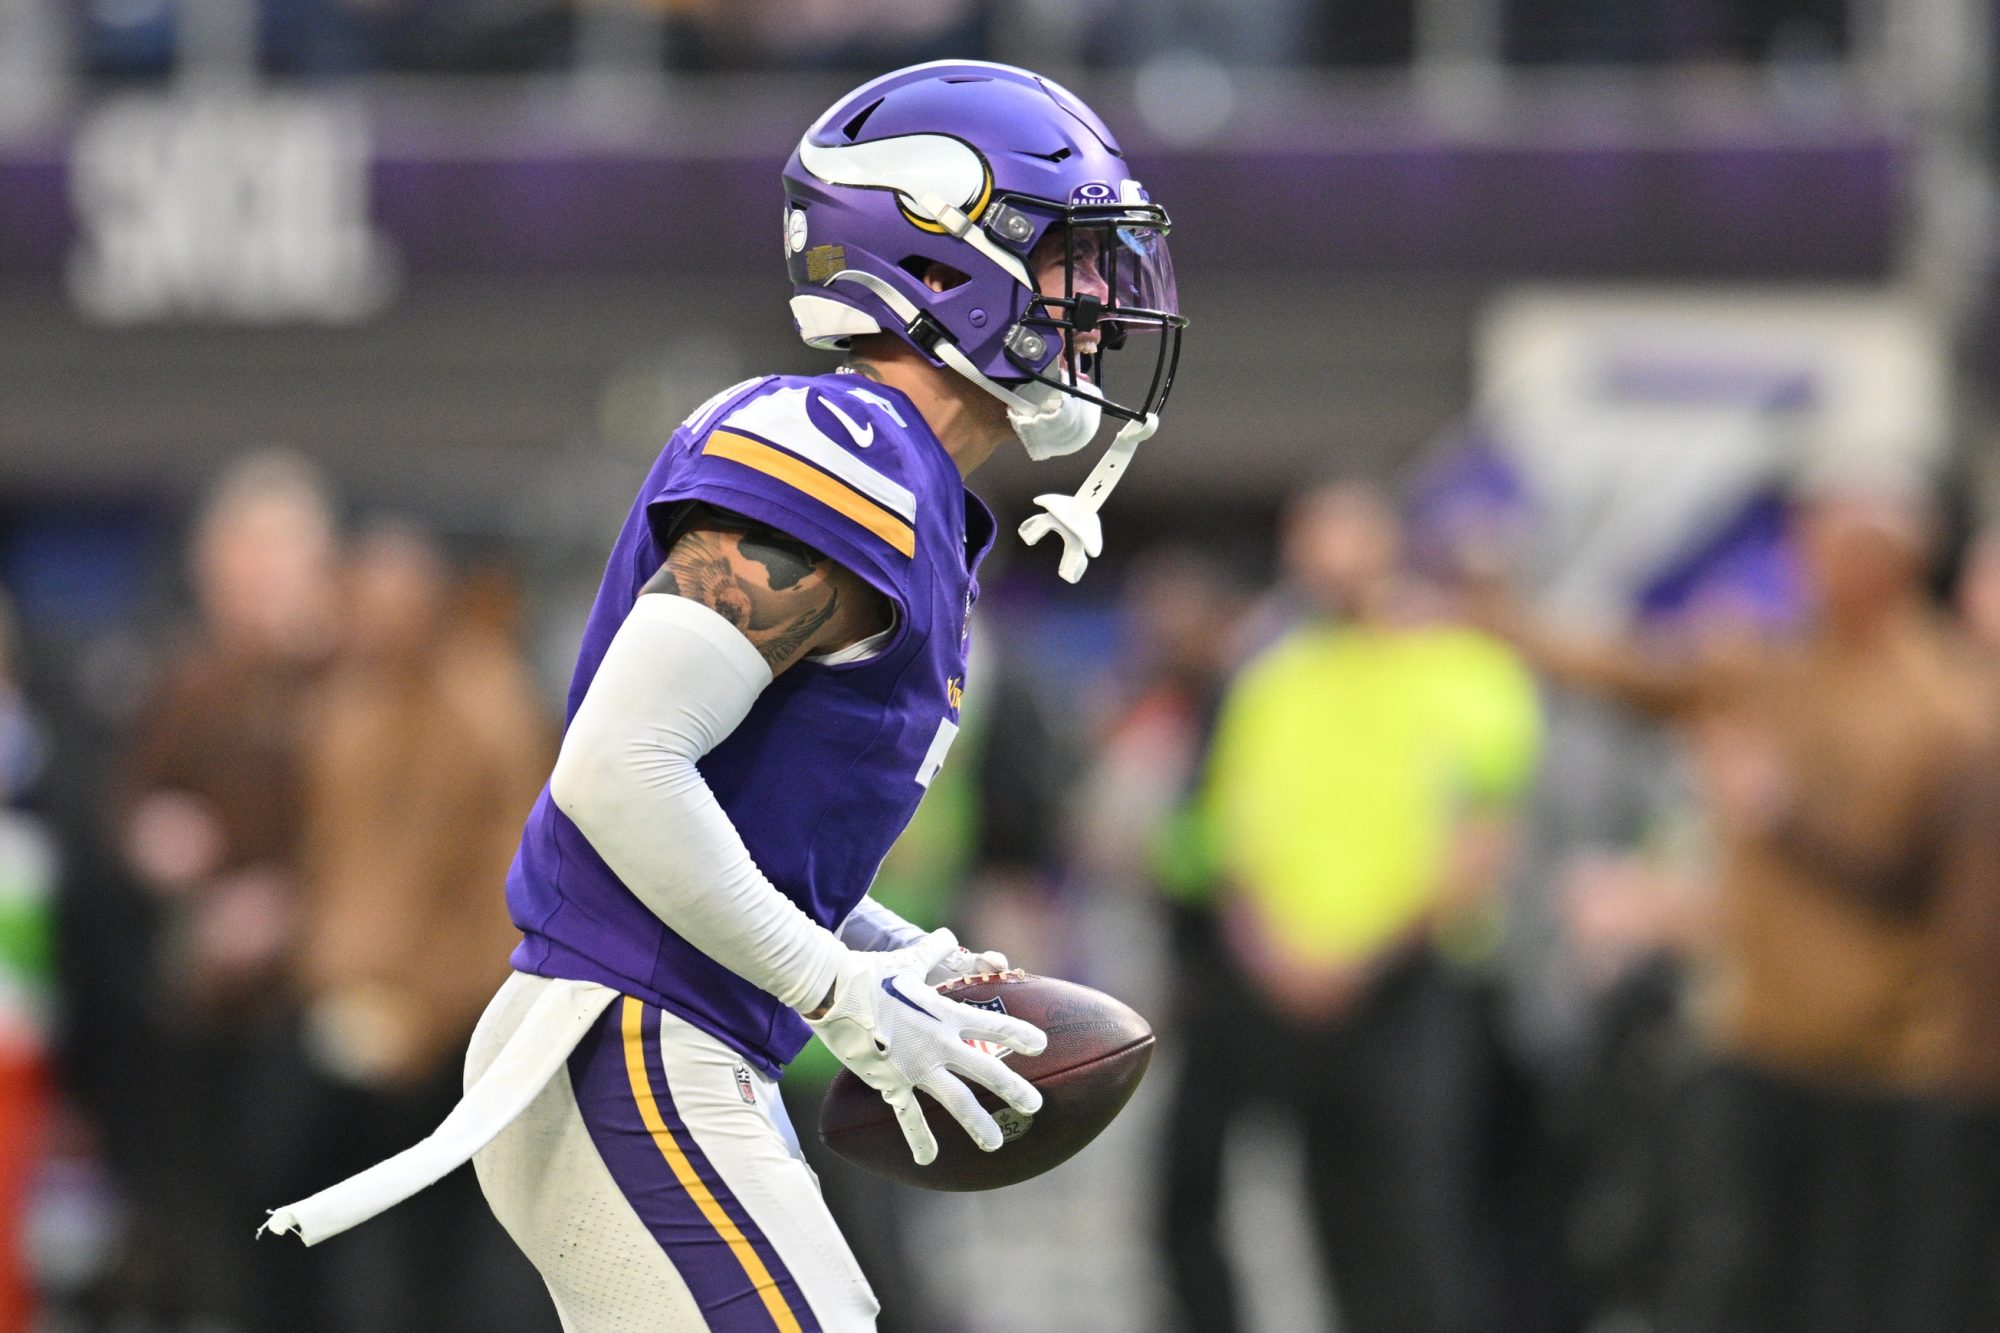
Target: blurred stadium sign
pixel 1647 429
pixel 245 208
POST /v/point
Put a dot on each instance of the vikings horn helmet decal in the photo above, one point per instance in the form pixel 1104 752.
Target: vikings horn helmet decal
pixel 971 166
pixel 916 166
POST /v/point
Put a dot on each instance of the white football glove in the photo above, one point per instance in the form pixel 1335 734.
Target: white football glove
pixel 888 1025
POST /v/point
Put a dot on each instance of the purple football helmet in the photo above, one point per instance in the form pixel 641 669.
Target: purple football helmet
pixel 971 165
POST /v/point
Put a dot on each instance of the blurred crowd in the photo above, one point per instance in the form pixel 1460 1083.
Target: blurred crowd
pixel 139 38
pixel 275 927
pixel 1777 1107
pixel 1308 820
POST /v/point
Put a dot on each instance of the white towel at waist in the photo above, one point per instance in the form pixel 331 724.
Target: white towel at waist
pixel 558 1019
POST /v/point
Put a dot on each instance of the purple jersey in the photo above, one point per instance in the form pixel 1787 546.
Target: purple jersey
pixel 827 769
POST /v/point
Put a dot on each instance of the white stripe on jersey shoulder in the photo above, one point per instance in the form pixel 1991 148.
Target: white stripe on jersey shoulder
pixel 698 420
pixel 781 419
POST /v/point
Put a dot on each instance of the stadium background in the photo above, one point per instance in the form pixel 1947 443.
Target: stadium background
pixel 1604 278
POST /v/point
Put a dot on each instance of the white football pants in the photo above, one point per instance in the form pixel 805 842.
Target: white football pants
pixel 656 1183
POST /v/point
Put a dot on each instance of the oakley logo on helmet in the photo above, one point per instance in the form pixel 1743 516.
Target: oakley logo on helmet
pixel 1101 194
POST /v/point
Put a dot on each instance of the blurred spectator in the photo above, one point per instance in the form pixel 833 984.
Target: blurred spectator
pixel 1969 929
pixel 843 34
pixel 211 821
pixel 1138 827
pixel 315 38
pixel 422 755
pixel 1978 596
pixel 1235 32
pixel 1968 925
pixel 1362 788
pixel 1600 1202
pixel 27 876
pixel 1652 31
pixel 1183 614
pixel 1811 1181
pixel 444 36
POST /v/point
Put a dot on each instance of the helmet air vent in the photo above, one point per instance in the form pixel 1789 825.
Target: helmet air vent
pixel 853 127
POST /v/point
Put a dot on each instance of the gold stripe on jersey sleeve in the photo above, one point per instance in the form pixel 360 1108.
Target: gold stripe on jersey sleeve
pixel 835 494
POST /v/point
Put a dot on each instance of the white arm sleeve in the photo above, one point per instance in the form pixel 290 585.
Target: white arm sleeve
pixel 675 681
pixel 873 928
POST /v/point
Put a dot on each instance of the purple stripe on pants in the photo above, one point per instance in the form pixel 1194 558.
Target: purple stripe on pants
pixel 711 1268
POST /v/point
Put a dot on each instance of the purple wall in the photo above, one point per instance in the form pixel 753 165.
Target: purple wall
pixel 1743 207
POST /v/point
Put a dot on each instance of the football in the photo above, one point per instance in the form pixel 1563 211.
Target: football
pixel 1098 1050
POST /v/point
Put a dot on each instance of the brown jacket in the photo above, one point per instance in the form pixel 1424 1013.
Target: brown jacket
pixel 225 729
pixel 1968 925
pixel 1826 963
pixel 419 779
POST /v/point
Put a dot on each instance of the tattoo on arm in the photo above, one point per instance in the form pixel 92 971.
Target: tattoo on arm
pixel 781 593
pixel 788 559
pixel 787 563
pixel 791 639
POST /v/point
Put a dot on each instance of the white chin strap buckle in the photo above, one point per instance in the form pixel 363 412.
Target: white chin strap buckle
pixel 1074 517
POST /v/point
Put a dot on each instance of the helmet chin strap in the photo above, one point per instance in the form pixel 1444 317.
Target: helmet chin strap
pixel 1049 426
pixel 903 308
pixel 1060 424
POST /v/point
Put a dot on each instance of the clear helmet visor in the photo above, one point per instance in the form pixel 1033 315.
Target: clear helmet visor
pixel 1131 266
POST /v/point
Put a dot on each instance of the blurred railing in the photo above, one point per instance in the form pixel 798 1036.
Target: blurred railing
pixel 1455 53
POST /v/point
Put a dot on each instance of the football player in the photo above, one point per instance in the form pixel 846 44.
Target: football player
pixel 769 679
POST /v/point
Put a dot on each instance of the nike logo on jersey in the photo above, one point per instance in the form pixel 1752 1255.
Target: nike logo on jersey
pixel 863 435
pixel 870 396
pixel 889 984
